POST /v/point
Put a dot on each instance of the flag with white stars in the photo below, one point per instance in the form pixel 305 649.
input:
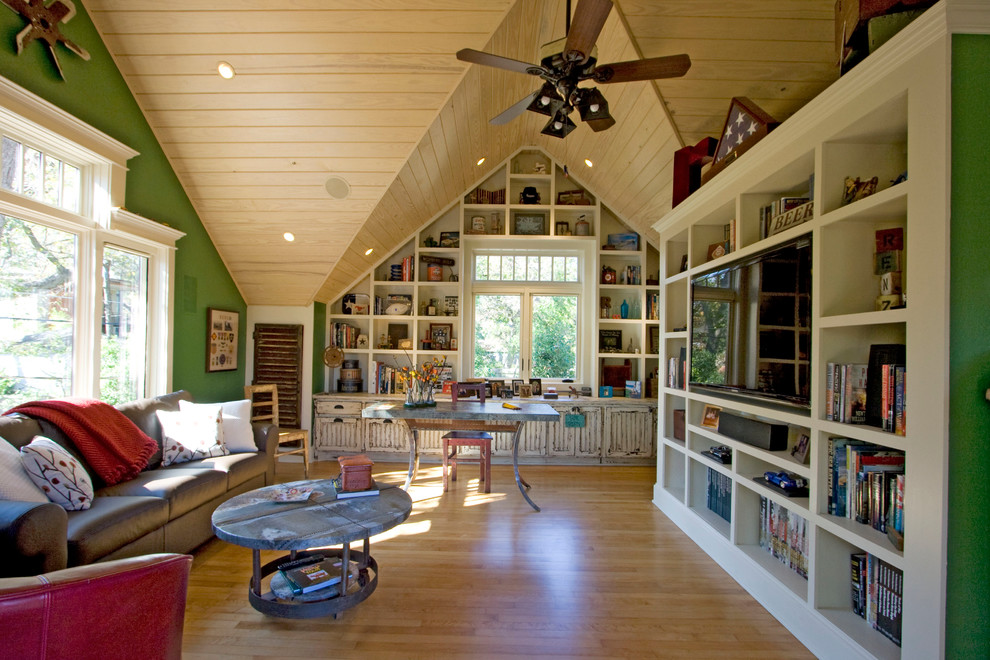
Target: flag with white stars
pixel 744 121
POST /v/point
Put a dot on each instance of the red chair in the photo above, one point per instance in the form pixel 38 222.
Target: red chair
pixel 125 608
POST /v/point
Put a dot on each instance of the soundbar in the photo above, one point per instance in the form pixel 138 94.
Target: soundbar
pixel 772 437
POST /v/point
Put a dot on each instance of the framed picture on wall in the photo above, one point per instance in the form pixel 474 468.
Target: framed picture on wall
pixel 221 339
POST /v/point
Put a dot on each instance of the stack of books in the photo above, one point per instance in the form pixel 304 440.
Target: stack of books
pixel 878 594
pixel 314 573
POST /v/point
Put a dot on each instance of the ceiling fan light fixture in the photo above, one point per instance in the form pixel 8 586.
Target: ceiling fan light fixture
pixel 559 126
pixel 547 101
pixel 593 109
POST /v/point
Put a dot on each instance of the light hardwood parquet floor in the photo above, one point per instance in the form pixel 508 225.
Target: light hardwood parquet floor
pixel 600 573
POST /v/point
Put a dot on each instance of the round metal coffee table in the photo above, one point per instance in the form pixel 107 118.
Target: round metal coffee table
pixel 258 520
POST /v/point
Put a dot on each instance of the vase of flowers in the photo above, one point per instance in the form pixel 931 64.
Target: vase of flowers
pixel 421 382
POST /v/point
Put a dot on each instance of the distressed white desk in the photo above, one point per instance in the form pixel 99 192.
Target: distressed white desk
pixel 464 416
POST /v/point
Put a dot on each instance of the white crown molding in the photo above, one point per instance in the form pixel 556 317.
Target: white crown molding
pixel 136 225
pixel 21 107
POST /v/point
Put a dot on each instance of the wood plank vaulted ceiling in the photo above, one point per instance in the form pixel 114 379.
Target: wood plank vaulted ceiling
pixel 371 91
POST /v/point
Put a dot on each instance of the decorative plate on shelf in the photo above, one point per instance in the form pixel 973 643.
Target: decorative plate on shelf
pixel 333 357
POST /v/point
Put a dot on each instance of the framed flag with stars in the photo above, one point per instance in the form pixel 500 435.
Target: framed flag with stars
pixel 745 125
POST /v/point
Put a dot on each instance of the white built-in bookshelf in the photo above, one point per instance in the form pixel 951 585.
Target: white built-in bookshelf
pixel 888 115
pixel 492 213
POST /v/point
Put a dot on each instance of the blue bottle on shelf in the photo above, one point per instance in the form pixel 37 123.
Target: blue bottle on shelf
pixel 624 310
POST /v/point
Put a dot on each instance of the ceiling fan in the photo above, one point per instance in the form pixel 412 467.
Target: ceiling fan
pixel 566 62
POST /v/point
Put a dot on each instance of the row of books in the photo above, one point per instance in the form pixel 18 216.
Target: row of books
pixel 845 393
pixel 776 208
pixel 344 335
pixel 866 483
pixel 677 370
pixel 878 593
pixel 482 196
pixel 385 378
pixel 631 275
pixel 784 534
pixel 893 401
pixel 719 497
pixel 652 305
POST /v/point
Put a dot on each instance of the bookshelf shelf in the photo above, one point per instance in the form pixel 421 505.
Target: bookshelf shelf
pixel 872 122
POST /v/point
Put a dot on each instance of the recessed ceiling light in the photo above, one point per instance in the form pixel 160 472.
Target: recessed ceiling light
pixel 368 251
pixel 226 71
pixel 337 187
pixel 587 161
pixel 289 236
pixel 480 161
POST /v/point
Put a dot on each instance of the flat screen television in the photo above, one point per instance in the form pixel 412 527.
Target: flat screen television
pixel 751 326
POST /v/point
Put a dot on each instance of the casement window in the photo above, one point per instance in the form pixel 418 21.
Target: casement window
pixel 527 307
pixel 85 304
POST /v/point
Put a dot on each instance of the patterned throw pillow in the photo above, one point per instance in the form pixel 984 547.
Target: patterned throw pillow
pixel 57 472
pixel 238 436
pixel 15 484
pixel 190 435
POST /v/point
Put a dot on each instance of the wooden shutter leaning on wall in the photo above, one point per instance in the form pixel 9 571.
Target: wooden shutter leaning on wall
pixel 278 350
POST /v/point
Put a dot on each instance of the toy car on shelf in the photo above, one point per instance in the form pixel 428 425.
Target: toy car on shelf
pixel 721 452
pixel 784 480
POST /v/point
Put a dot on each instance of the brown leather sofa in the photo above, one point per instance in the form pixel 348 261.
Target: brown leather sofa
pixel 163 509
pixel 128 608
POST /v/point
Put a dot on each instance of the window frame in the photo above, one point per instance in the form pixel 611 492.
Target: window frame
pixel 99 223
pixel 584 289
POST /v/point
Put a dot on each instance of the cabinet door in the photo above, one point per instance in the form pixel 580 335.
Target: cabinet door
pixel 630 431
pixel 584 435
pixel 338 434
pixel 386 435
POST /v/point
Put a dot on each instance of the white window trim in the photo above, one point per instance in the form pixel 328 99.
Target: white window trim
pixel 100 223
pixel 584 289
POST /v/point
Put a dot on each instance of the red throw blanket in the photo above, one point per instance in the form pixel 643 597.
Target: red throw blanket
pixel 113 446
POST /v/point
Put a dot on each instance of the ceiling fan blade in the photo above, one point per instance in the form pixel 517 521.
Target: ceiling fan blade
pixel 514 110
pixel 499 62
pixel 589 19
pixel 671 66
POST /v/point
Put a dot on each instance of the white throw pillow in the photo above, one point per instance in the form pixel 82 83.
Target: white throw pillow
pixel 190 435
pixel 57 473
pixel 15 484
pixel 238 435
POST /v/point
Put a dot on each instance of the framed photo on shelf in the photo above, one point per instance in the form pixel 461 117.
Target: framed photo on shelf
pixel 516 384
pixel 537 385
pixel 440 335
pixel 525 390
pixel 530 224
pixel 450 239
pixel 221 339
pixel 709 419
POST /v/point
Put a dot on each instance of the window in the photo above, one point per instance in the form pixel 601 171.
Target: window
pixel 38 175
pixel 37 307
pixel 124 336
pixel 526 311
pixel 84 299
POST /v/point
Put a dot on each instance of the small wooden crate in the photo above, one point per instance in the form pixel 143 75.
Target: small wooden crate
pixel 355 472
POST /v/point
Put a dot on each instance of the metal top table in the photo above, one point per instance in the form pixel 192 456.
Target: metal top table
pixel 256 520
pixel 464 416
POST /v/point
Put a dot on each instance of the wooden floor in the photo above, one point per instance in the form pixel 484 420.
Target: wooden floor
pixel 600 573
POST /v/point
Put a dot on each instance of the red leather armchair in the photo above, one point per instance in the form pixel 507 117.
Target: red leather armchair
pixel 127 608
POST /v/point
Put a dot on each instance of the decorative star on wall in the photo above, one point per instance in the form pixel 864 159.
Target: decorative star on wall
pixel 43 25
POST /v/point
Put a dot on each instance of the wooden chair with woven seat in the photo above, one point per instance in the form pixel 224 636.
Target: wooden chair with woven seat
pixel 264 407
pixel 457 439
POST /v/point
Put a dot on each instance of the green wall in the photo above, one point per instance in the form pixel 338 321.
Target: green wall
pixel 95 92
pixel 968 615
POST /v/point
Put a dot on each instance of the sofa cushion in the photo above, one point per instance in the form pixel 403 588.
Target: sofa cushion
pixel 183 489
pixel 110 523
pixel 15 484
pixel 63 479
pixel 238 467
pixel 191 434
pixel 238 436
pixel 142 413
